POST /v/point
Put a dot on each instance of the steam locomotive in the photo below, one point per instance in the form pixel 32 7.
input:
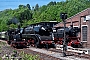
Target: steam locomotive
pixel 38 36
pixel 71 36
pixel 34 35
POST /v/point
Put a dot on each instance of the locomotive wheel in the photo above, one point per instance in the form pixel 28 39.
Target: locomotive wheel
pixel 9 42
pixel 73 45
pixel 61 42
pixel 47 46
pixel 52 46
pixel 28 42
pixel 35 43
pixel 80 46
pixel 13 45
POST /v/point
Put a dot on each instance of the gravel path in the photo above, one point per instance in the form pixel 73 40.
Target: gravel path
pixel 55 54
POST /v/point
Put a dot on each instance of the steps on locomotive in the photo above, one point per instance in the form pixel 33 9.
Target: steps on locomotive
pixel 77 50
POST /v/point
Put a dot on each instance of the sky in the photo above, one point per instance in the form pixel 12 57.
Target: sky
pixel 13 4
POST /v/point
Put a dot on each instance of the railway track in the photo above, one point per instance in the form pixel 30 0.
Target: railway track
pixel 58 54
pixel 71 54
pixel 54 54
pixel 78 52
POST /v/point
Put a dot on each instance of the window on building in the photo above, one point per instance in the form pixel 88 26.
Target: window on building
pixel 84 20
pixel 88 17
pixel 84 33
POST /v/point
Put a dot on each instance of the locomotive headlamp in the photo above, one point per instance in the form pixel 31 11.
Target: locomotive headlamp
pixel 24 39
pixel 14 39
pixel 18 33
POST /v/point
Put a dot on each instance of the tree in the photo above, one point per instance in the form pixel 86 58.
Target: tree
pixel 52 3
pixel 48 12
pixel 28 6
pixel 22 6
pixel 43 8
pixel 36 7
pixel 33 8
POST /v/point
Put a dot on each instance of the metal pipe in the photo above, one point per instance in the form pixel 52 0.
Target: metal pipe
pixel 64 41
pixel 63 17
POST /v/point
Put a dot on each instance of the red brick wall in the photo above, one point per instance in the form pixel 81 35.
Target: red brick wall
pixel 88 36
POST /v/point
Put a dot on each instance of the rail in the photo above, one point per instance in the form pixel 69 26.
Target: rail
pixel 76 50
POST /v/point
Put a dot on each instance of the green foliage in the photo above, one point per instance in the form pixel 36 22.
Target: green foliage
pixel 36 7
pixel 28 6
pixel 49 12
pixel 0 58
pixel 52 3
pixel 2 43
pixel 29 56
pixel 13 26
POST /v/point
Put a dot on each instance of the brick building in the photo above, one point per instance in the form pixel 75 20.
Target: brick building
pixel 81 20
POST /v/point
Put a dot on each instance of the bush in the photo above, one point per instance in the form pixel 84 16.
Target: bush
pixel 29 56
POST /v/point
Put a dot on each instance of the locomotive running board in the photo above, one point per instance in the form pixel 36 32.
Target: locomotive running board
pixel 77 50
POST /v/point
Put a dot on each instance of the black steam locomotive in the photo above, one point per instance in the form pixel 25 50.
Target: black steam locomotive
pixel 36 35
pixel 71 36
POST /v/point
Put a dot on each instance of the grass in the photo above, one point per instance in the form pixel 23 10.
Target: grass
pixel 0 58
pixel 2 43
pixel 23 54
pixel 29 56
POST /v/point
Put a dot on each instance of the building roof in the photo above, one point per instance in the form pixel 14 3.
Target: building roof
pixel 80 14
